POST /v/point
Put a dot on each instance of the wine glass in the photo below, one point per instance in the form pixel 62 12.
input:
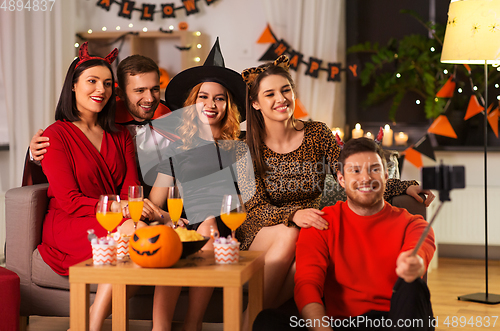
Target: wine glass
pixel 109 213
pixel 232 212
pixel 135 202
pixel 174 203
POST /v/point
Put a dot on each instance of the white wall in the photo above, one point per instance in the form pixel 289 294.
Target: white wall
pixel 4 171
pixel 461 220
pixel 238 23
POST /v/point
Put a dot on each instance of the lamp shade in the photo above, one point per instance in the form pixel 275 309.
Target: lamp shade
pixel 472 32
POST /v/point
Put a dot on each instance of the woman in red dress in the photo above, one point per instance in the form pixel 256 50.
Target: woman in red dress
pixel 88 156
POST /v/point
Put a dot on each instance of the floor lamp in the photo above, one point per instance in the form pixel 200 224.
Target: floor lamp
pixel 473 37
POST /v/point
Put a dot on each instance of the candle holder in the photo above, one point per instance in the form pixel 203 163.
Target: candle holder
pixel 338 131
pixel 357 132
pixel 387 139
pixel 401 139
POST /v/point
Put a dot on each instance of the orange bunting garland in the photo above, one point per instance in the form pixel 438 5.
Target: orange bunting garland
pixel 473 108
pixel 300 110
pixel 413 157
pixel 493 120
pixel 442 127
pixel 266 37
pixel 448 88
pixel 489 108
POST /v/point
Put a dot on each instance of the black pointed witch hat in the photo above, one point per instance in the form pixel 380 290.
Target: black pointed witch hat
pixel 213 70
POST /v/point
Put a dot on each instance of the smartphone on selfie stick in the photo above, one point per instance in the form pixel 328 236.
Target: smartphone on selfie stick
pixel 442 178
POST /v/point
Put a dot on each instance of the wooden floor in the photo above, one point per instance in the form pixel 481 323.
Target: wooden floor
pixel 453 277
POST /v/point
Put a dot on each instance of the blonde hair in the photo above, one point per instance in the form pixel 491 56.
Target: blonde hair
pixel 230 124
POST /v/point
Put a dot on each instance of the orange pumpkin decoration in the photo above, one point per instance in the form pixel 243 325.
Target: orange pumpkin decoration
pixel 156 246
pixel 183 26
pixel 164 78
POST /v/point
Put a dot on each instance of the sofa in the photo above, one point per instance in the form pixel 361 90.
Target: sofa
pixel 46 293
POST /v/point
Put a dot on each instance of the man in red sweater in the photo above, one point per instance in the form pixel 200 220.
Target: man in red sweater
pixel 359 273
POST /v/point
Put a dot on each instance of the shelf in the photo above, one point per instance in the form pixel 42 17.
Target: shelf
pixel 146 43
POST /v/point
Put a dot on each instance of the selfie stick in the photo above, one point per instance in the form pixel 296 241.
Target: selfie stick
pixel 426 231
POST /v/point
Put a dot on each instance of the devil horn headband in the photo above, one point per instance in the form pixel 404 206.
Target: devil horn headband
pixel 83 55
pixel 380 136
pixel 378 139
pixel 339 140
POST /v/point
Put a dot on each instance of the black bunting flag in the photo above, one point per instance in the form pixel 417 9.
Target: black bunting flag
pixel 277 48
pixel 334 72
pixel 295 60
pixel 147 12
pixel 313 67
pixel 190 6
pixel 167 10
pixel 126 9
pixel 424 146
pixel 104 4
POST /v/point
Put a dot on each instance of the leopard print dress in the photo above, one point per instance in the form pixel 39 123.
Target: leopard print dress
pixel 294 181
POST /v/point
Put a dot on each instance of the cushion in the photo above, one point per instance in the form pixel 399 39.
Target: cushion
pixel 44 276
pixel 333 192
pixel 11 300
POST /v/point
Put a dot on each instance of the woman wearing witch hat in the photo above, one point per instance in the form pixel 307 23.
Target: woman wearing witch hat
pixel 201 162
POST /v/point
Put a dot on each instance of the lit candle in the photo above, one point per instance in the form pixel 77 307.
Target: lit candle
pixel 338 131
pixel 357 132
pixel 401 138
pixel 387 140
pixel 369 135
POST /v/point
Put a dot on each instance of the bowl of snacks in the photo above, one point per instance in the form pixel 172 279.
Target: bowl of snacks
pixel 191 240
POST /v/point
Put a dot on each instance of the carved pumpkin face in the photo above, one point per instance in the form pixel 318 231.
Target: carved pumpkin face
pixel 183 26
pixel 156 246
pixel 164 78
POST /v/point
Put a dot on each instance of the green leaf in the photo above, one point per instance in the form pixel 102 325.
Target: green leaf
pixel 421 70
pixel 395 105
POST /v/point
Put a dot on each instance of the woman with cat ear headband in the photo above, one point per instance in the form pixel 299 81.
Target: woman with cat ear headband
pixel 289 159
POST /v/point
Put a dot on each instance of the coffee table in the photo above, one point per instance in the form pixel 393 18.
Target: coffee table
pixel 197 270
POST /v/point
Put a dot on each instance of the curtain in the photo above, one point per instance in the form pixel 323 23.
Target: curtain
pixel 36 48
pixel 316 28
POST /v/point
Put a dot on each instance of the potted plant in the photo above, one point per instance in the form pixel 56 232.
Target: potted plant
pixel 413 64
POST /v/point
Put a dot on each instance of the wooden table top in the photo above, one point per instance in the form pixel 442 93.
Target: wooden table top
pixel 198 269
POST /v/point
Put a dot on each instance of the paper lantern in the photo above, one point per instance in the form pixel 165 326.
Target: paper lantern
pixel 164 78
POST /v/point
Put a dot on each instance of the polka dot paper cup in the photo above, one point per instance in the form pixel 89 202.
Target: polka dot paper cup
pixel 104 254
pixel 227 253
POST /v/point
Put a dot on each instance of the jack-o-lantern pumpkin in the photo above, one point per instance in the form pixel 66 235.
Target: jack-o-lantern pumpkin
pixel 183 26
pixel 164 78
pixel 156 246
